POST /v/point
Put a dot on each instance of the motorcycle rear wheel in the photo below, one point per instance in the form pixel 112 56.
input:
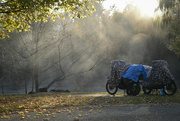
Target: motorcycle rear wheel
pixel 134 89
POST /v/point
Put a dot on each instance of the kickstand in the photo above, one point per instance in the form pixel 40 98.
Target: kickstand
pixel 124 92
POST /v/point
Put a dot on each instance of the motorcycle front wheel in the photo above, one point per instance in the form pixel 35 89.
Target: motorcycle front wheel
pixel 170 89
pixel 111 90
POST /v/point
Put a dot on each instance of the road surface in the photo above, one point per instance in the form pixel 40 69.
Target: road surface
pixel 140 112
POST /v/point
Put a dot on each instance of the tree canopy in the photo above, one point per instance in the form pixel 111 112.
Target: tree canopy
pixel 170 23
pixel 18 14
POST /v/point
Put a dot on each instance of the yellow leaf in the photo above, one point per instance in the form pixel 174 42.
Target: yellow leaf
pixel 90 110
pixel 80 115
pixel 76 119
pixel 46 114
pixel 45 119
pixel 44 109
pixel 22 117
pixel 69 112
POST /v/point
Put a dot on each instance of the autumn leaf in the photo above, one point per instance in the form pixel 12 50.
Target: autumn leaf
pixel 22 117
pixel 80 115
pixel 46 119
pixel 76 119
pixel 69 112
pixel 5 117
pixel 90 110
pixel 44 109
pixel 55 109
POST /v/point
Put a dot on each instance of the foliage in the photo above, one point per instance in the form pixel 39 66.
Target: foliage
pixel 18 14
pixel 170 23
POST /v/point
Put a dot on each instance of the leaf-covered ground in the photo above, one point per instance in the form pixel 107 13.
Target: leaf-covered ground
pixel 43 102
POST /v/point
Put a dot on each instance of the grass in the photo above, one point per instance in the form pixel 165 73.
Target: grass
pixel 13 103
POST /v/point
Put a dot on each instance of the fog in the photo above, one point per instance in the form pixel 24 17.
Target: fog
pixel 75 54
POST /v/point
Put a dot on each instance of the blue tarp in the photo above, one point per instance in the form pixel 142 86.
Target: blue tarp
pixel 134 72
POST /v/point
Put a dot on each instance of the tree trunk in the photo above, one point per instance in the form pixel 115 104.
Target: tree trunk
pixel 25 84
pixel 32 90
pixel 2 86
pixel 36 82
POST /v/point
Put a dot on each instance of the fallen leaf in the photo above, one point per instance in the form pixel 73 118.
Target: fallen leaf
pixel 22 117
pixel 46 119
pixel 90 110
pixel 76 119
pixel 46 114
pixel 80 115
pixel 44 109
pixel 69 112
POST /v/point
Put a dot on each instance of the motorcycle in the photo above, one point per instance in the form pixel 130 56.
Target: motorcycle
pixel 168 89
pixel 160 78
pixel 125 76
pixel 131 87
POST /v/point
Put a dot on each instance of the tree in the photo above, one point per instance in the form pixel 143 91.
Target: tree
pixel 18 14
pixel 170 23
pixel 51 52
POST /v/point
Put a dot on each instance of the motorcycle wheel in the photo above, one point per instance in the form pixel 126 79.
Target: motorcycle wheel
pixel 110 90
pixel 134 89
pixel 147 90
pixel 170 89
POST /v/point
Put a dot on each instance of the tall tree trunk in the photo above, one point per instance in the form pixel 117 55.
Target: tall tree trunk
pixel 25 84
pixel 36 82
pixel 35 62
pixel 32 90
pixel 2 85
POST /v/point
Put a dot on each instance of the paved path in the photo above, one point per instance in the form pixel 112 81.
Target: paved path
pixel 125 112
pixel 99 95
pixel 141 112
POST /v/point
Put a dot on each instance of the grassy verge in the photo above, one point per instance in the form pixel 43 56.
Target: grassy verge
pixel 13 103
